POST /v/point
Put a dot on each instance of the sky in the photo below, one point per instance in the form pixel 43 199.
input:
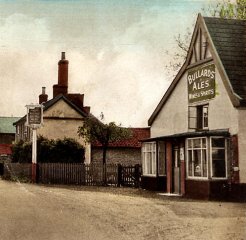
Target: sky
pixel 116 52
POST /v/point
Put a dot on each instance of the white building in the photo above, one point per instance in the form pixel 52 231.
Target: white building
pixel 198 130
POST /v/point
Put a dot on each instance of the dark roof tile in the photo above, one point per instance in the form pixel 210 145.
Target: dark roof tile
pixel 229 38
pixel 138 134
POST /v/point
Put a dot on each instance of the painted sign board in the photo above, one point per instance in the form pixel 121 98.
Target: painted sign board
pixel 34 115
pixel 201 83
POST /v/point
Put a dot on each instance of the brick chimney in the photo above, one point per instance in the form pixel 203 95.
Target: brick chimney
pixel 62 86
pixel 43 97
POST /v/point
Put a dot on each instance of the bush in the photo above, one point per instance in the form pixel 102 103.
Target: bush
pixel 53 151
pixel 22 152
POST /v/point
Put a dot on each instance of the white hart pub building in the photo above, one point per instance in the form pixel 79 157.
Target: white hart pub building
pixel 197 146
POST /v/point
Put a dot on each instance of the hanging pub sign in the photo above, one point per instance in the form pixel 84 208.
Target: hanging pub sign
pixel 34 115
pixel 201 83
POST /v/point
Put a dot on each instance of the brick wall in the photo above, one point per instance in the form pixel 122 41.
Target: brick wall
pixel 124 156
pixel 7 138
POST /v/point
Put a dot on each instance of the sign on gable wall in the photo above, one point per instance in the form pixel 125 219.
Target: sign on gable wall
pixel 201 83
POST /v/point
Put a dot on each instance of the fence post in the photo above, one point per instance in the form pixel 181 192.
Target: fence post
pixel 37 172
pixel 34 172
pixel 136 175
pixel 1 168
pixel 82 179
pixel 119 175
pixel 104 174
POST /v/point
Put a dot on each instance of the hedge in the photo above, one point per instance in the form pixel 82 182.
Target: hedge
pixel 49 150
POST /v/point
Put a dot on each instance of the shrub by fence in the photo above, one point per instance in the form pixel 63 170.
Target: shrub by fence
pixel 77 173
pixel 65 150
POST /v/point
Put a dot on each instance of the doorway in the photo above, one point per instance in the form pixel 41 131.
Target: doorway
pixel 176 170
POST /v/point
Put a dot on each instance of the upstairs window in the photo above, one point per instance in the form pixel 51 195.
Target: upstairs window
pixel 198 117
pixel 17 129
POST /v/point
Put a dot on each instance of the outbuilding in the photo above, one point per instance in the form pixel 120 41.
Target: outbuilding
pixel 124 151
pixel 197 146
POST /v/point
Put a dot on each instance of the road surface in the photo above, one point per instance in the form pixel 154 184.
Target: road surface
pixel 34 212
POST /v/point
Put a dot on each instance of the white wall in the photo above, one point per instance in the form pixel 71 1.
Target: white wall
pixel 222 114
pixel 242 145
pixel 173 118
pixel 66 126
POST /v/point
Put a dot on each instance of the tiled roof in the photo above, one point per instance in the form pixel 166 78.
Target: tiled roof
pixel 70 99
pixel 5 149
pixel 133 142
pixel 229 38
pixel 6 124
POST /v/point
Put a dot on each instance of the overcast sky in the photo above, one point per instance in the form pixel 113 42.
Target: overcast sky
pixel 116 52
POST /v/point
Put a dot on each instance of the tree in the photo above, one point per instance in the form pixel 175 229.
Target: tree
pixel 94 130
pixel 225 9
pixel 229 10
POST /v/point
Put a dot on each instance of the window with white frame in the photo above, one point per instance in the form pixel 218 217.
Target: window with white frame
pixel 204 153
pixel 197 164
pixel 198 117
pixel 218 154
pixel 149 158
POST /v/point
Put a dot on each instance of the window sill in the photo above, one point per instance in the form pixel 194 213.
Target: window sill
pixel 206 179
pixel 197 178
pixel 149 175
pixel 218 179
pixel 201 129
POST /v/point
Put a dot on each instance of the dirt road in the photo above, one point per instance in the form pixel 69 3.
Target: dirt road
pixel 38 212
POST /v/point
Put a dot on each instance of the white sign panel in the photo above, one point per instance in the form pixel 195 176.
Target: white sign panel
pixel 34 116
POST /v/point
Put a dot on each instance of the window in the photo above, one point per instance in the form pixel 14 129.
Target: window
pixel 198 117
pixel 17 129
pixel 149 158
pixel 161 158
pixel 197 164
pixel 218 157
pixel 198 159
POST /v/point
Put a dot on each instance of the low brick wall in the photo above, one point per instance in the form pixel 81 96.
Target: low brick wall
pixel 124 156
pixel 21 171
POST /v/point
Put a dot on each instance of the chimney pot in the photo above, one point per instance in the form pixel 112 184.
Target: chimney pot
pixel 63 57
pixel 43 97
pixel 43 90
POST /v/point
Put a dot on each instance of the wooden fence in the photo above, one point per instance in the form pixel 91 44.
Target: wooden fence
pixel 61 173
pixel 80 174
pixel 129 175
